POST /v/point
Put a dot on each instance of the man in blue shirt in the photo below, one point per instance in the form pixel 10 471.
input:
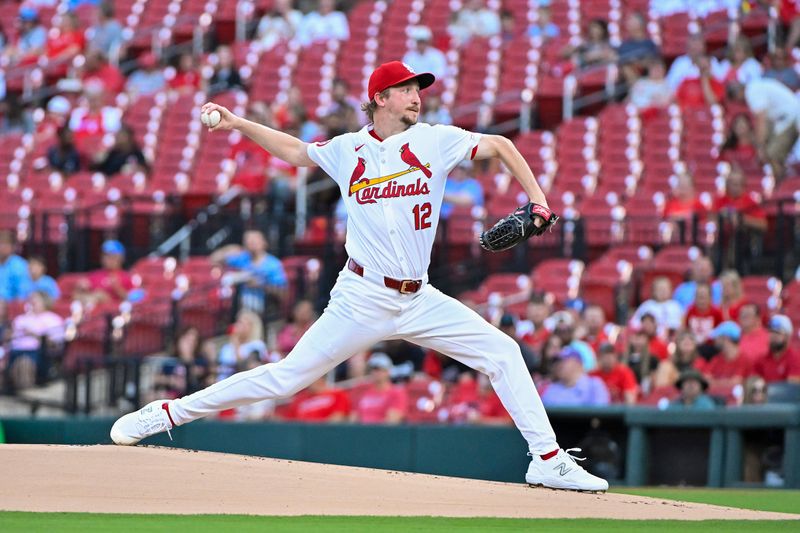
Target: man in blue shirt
pixel 573 387
pixel 266 273
pixel 15 280
pixel 461 189
pixel 701 271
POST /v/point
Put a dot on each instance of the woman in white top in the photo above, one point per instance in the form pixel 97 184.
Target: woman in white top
pixel 245 341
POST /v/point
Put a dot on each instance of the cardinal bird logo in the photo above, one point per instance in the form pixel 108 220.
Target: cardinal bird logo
pixel 412 160
pixel 357 173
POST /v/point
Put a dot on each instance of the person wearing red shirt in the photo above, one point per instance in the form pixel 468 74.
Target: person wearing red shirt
pixel 619 379
pixel 319 403
pixel 303 316
pixel 594 319
pixel 738 207
pixel 740 146
pixel 382 402
pixel 532 330
pixel 656 346
pixel 683 203
pixel 732 295
pixel 186 78
pixel 252 161
pixel 111 282
pixel 755 340
pixel 702 92
pixel 728 368
pixel 783 362
pixel 98 70
pixel 702 317
pixel 67 42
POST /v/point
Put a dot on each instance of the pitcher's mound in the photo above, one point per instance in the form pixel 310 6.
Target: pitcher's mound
pixel 111 479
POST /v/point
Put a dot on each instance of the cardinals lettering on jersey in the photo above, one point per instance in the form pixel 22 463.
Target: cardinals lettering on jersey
pixel 366 192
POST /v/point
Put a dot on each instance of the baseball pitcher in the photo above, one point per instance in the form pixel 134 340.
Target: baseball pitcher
pixel 391 175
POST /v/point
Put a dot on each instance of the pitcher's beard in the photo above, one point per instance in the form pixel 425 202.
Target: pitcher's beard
pixel 408 120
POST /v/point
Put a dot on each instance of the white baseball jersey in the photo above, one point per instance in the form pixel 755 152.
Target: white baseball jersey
pixel 393 191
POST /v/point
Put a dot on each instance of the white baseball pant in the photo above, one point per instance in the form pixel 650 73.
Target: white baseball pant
pixel 361 313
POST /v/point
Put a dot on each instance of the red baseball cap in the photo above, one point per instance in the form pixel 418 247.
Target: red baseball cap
pixel 395 73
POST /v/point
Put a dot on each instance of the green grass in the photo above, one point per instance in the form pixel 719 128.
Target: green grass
pixel 782 501
pixel 81 522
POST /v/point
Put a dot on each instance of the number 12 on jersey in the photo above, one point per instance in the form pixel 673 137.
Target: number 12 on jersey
pixel 422 212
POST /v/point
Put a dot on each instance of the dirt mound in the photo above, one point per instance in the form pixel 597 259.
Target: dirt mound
pixel 110 479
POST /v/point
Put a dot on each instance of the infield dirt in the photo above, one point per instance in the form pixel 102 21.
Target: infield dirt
pixel 110 479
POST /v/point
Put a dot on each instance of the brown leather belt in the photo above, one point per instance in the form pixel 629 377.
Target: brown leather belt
pixel 404 286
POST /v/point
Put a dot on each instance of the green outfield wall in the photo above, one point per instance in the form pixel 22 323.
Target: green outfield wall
pixel 635 446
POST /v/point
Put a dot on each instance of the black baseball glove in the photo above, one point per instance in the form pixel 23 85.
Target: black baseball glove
pixel 517 227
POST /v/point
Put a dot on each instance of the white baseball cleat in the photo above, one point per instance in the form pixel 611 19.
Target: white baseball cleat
pixel 151 419
pixel 562 472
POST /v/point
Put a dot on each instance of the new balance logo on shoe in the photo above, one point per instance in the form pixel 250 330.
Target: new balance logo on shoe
pixel 563 470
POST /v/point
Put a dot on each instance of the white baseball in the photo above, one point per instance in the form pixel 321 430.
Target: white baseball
pixel 210 119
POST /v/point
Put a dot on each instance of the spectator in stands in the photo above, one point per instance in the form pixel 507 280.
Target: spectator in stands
pixel 252 161
pixel 343 113
pixel 683 203
pixel 702 91
pixel 741 219
pixel 186 79
pixel 639 359
pixel 573 387
pixel 754 344
pixel 564 325
pixel 595 323
pixel 693 386
pixel 111 283
pixel 30 43
pixel 190 369
pixel 324 24
pixel 667 312
pixel 382 402
pixel 279 25
pixel 532 331
pixel 105 35
pixel 320 402
pixel 776 112
pixel 508 325
pixel 55 116
pixel 732 295
pixel 16 118
pixel 685 67
pixel 303 315
pixel 755 391
pixel 425 57
pixel 740 64
pixel 657 342
pixel 781 69
pixel 508 26
pixel 26 359
pixel 783 361
pixel 434 112
pixel 15 279
pixel 125 156
pixel 93 118
pixel 636 51
pixel 245 344
pixel 686 356
pixel 64 156
pixel 67 42
pixel 595 50
pixel 543 26
pixel 702 316
pixel 148 79
pixel 700 271
pixel 461 189
pixel 40 281
pixel 473 20
pixel 728 367
pixel 740 145
pixel 618 378
pixel 551 347
pixel 264 270
pixel 651 92
pixel 226 74
pixel 98 70
pixel 490 408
